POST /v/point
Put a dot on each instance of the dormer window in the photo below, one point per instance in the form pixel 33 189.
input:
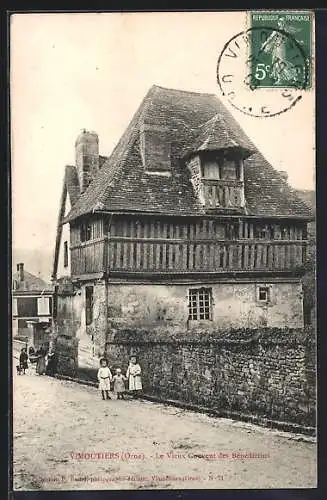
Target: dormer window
pixel 211 169
pixel 155 148
pixel 221 168
pixel 217 179
pixel 229 170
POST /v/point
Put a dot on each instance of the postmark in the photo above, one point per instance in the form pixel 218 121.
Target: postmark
pixel 253 84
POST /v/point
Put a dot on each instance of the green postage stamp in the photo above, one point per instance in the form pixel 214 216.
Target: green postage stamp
pixel 281 49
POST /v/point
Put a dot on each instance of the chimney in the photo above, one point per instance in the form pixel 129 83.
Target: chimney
pixel 20 270
pixel 86 157
pixel 284 175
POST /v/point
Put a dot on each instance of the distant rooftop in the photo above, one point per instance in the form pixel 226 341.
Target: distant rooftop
pixel 22 280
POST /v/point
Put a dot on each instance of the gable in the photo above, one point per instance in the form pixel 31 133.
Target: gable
pixel 69 197
pixel 67 207
pixel 123 182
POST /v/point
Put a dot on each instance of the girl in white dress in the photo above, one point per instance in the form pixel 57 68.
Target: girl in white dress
pixel 133 375
pixel 104 378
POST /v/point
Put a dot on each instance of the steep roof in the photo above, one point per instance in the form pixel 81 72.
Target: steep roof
pixel 122 184
pixel 31 283
pixel 72 183
pixel 309 197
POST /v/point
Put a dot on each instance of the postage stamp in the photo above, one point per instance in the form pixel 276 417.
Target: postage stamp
pixel 281 49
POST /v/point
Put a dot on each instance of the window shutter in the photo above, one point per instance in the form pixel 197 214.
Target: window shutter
pixel 43 308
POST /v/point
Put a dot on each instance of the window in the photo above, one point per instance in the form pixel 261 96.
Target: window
pixel 211 170
pixel 27 307
pixel 263 294
pixel 231 231
pixel 89 304
pixel 229 170
pixel 200 304
pixel 86 232
pixel 65 254
pixel 43 306
pixel 285 232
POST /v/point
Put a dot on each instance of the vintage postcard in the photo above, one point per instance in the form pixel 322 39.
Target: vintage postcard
pixel 163 265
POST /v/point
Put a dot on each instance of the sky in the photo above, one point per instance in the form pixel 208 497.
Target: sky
pixel 75 71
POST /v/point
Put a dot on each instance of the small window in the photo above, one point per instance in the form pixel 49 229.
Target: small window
pixel 22 323
pixel 285 232
pixel 86 232
pixel 263 294
pixel 15 285
pixel 262 232
pixel 229 170
pixel 211 170
pixel 200 304
pixel 65 254
pixel 89 304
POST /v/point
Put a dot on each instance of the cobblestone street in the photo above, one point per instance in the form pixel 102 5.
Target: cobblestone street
pixel 66 437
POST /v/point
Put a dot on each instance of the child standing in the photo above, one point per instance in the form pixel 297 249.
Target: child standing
pixel 134 376
pixel 23 360
pixel 104 377
pixel 119 384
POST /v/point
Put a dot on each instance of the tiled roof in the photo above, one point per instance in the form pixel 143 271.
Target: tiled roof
pixel 102 160
pixel 31 283
pixel 122 184
pixel 309 197
pixel 215 134
pixel 72 183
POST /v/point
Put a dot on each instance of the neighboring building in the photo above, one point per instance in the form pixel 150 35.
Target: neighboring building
pixel 309 278
pixel 31 301
pixel 185 225
pixel 308 196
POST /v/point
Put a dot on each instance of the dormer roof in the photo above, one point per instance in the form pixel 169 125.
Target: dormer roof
pixel 215 135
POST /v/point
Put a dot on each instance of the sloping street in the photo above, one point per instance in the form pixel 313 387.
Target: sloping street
pixel 66 437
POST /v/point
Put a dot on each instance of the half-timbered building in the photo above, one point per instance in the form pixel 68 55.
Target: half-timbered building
pixel 185 225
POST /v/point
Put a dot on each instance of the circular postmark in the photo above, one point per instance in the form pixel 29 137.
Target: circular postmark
pixel 263 71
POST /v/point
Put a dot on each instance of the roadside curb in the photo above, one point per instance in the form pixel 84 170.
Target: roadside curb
pixel 306 433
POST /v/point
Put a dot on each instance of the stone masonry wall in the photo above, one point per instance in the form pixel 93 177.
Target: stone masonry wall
pixel 266 374
pixel 71 323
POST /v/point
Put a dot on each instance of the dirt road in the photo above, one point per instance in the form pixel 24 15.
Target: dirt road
pixel 66 437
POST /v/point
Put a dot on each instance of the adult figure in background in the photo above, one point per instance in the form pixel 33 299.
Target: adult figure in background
pixel 133 376
pixel 51 362
pixel 23 358
pixel 40 364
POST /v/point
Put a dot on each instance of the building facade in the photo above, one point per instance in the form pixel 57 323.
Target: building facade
pixel 31 301
pixel 184 227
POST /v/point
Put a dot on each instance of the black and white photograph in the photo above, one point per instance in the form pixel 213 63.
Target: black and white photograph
pixel 163 296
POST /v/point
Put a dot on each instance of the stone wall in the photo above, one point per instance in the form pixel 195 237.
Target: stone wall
pixel 71 323
pixel 67 355
pixel 268 373
pixel 97 330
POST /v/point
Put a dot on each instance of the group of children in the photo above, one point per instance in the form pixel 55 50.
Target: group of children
pixel 105 378
pixel 118 381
